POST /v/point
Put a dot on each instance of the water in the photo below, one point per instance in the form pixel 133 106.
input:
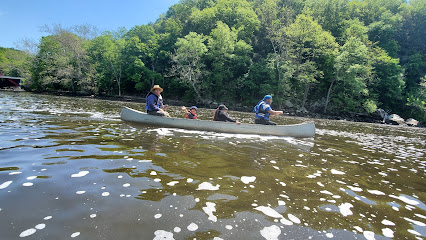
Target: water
pixel 70 168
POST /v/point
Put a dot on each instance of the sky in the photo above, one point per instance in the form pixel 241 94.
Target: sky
pixel 22 19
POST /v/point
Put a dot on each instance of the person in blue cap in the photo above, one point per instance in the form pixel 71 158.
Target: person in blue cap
pixel 263 111
pixel 192 113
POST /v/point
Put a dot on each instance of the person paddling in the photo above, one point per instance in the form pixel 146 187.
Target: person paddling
pixel 192 113
pixel 263 110
pixel 154 102
pixel 221 115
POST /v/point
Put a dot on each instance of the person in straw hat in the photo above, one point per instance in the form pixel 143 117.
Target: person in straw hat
pixel 154 102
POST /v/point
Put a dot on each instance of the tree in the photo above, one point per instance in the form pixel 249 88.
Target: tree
pixel 188 63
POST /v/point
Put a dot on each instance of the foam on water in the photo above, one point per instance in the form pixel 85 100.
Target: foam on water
pixel 337 172
pixel 269 212
pixel 158 215
pixel 177 229
pixel 209 209
pixel 5 184
pixel 80 192
pixel 76 234
pixel 126 185
pixel 286 222
pixel 415 222
pixel 47 218
pixel 369 235
pixel 271 233
pixel 247 179
pixel 172 183
pixel 229 227
pixel 80 174
pixel 387 232
pixel 376 192
pixel 93 215
pixel 105 194
pixel 192 227
pixel 27 184
pixel 153 173
pixel 40 226
pixel 14 173
pixel 31 178
pixel 345 209
pixel 293 218
pixel 27 232
pixel 207 186
pixel 329 235
pixel 355 189
pixel 406 200
pixel 157 180
pixel 388 223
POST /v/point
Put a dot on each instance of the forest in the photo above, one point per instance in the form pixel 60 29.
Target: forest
pixel 324 56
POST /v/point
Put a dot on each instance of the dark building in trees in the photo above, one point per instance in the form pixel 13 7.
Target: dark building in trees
pixel 7 82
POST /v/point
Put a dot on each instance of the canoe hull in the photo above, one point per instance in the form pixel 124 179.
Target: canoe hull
pixel 303 130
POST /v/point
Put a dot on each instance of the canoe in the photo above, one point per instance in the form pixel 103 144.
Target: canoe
pixel 303 130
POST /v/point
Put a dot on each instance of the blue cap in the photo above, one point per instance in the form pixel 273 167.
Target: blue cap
pixel 267 97
pixel 193 107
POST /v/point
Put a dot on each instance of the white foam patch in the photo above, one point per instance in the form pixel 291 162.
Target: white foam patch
pixel 105 194
pixel 376 192
pixel 27 184
pixel 153 173
pixel 172 183
pixel 359 229
pixel 281 203
pixel 80 174
pixel 345 209
pixel 329 235
pixel 320 184
pixel 355 189
pixel 189 180
pixel 415 222
pixel 14 173
pixel 369 235
pixel 387 232
pixel 293 218
pixel 126 185
pixel 76 234
pixel 406 200
pixel 157 180
pixel 247 179
pixel 192 227
pixel 229 227
pixel 47 218
pixel 5 184
pixel 31 178
pixel 271 233
pixel 158 215
pixel 80 192
pixel 93 215
pixel 217 238
pixel 209 209
pixel 27 232
pixel 40 226
pixel 326 192
pixel 414 232
pixel 337 172
pixel 207 186
pixel 286 222
pixel 388 223
pixel 269 212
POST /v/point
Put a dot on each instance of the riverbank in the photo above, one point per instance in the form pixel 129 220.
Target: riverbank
pixel 352 117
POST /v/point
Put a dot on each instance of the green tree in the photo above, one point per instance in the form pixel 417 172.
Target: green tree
pixel 188 63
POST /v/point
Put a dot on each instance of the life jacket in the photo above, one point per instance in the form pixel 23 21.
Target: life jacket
pixel 260 110
pixel 191 116
pixel 158 101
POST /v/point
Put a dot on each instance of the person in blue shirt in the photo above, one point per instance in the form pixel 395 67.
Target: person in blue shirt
pixel 154 102
pixel 263 111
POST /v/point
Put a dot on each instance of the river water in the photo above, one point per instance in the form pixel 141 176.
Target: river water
pixel 70 168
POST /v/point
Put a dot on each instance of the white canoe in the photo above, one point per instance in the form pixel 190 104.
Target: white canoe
pixel 303 130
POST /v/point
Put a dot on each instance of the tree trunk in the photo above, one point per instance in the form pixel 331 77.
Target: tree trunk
pixel 328 96
pixel 305 95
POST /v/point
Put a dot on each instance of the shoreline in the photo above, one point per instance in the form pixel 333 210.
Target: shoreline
pixel 174 102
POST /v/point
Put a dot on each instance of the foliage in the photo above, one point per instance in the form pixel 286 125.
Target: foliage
pixel 335 56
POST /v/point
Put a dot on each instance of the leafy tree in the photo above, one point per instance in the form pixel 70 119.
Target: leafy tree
pixel 188 64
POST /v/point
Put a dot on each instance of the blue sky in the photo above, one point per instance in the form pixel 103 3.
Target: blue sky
pixel 21 19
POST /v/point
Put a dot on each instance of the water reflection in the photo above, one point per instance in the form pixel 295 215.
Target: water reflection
pixel 75 162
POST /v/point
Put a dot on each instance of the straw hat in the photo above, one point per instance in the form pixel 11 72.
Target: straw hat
pixel 156 87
